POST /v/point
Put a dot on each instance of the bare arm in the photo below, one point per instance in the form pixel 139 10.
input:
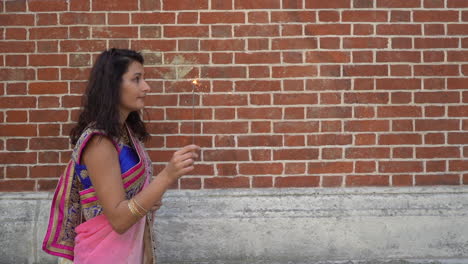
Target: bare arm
pixel 101 160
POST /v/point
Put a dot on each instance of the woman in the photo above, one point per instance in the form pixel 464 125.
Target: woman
pixel 102 207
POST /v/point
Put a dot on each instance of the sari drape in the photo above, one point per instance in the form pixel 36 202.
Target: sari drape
pixel 78 230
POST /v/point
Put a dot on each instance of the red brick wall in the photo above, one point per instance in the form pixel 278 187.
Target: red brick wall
pixel 295 93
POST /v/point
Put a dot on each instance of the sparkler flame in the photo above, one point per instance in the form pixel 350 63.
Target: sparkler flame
pixel 195 82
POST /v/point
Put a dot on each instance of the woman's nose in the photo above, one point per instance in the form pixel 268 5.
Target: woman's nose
pixel 146 87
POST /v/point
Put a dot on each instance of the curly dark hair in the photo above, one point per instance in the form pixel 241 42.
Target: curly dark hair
pixel 100 105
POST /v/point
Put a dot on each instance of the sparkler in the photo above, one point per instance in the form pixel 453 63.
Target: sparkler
pixel 195 84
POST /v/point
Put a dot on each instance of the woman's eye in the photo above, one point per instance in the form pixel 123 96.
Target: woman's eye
pixel 137 79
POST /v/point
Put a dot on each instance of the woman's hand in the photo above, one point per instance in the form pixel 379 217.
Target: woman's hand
pixel 156 206
pixel 181 162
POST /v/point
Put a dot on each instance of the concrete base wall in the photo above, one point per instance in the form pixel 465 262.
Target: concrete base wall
pixel 371 225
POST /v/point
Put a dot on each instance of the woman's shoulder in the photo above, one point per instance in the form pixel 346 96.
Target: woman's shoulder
pixel 91 136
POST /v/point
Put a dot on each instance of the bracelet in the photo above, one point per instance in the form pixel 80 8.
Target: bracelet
pixel 134 210
pixel 142 208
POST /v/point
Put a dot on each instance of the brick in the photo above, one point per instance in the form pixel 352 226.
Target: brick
pixel 190 183
pixel 436 97
pixel 330 43
pixel 434 111
pixel 400 166
pixel 433 56
pixel 435 166
pixel 221 45
pixel 225 141
pixel 150 5
pixel 185 31
pixel 47 5
pixel 17 102
pixel 82 45
pixel 82 18
pixel 259 113
pixel 435 16
pixel 399 29
pixel 297 181
pixel 221 5
pixel 15 34
pixel 292 16
pixel 332 181
pixel 16 47
pixel 363 3
pixel 402 125
pixel 365 166
pixel 458 111
pixel 437 125
pixel 17 19
pixel 109 5
pixel 437 152
pixel 262 182
pixel 436 70
pixel 434 3
pixel 400 16
pixel 16 116
pixel 457 56
pixel 398 4
pixel 329 112
pixel 434 29
pixel 17 172
pixel 222 18
pixel 402 180
pixel 332 153
pixel 457 4
pixel 225 127
pixel 15 6
pixel 398 84
pixel 48 33
pixel 328 84
pixel 291 30
pixel 294 43
pixel 16 185
pixel 367 126
pixel 46 171
pixel 226 169
pixel 400 139
pixel 294 98
pixel 48 60
pixel 327 4
pixel 444 179
pixel 153 18
pixel 457 138
pixel 261 169
pixel 435 43
pixel 295 154
pixel 224 99
pixel 256 31
pixel 16 60
pixel 402 43
pixel 295 127
pixel 399 111
pixel 329 16
pixel 247 4
pixel 365 139
pixel 367 153
pixel 327 57
pixel 16 144
pixel 258 58
pixel 365 70
pixel 458 165
pixel 398 56
pixel 225 182
pixel 294 71
pixel 18 157
pixel 80 5
pixel 364 16
pixel 327 29
pixel 330 167
pixel 366 98
pixel 457 29
pixel 367 180
pixel 258 17
pixel 292 4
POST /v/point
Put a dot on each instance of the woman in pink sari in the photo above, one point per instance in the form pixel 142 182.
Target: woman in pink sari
pixel 102 210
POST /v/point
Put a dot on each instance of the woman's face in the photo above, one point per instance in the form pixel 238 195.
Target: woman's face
pixel 133 89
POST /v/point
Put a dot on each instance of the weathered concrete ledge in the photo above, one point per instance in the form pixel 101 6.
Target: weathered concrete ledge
pixel 322 226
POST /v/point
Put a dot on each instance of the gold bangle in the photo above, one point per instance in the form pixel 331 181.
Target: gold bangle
pixel 142 208
pixel 133 209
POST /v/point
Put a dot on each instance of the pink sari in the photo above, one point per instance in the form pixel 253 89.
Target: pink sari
pixel 94 240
